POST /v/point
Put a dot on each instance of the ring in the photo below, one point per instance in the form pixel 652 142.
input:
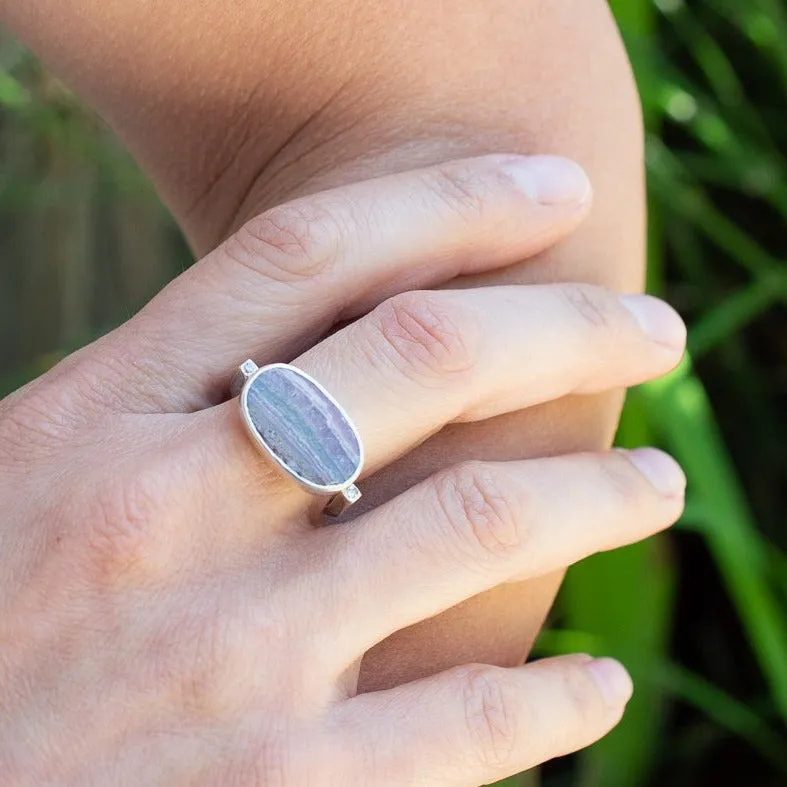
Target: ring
pixel 306 432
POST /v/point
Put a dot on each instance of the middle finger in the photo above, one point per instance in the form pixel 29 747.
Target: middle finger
pixel 288 276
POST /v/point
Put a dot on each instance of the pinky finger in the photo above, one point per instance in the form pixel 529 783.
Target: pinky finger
pixel 478 724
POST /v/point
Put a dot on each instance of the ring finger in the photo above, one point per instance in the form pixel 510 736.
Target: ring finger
pixel 423 360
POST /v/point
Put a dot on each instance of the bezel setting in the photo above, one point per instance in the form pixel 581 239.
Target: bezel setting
pixel 252 373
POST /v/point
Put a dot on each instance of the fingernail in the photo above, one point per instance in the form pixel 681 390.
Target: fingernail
pixel 612 679
pixel 549 180
pixel 660 469
pixel 658 320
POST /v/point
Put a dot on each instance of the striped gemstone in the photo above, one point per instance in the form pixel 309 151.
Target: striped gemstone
pixel 302 427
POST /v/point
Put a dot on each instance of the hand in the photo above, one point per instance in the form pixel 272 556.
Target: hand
pixel 169 614
pixel 225 138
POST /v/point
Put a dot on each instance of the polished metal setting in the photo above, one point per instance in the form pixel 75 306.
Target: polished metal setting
pixel 294 421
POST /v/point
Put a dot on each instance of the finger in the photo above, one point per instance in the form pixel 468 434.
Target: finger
pixel 473 527
pixel 425 359
pixel 478 724
pixel 282 281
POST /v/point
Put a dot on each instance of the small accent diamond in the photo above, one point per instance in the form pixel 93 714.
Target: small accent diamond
pixel 248 368
pixel 352 494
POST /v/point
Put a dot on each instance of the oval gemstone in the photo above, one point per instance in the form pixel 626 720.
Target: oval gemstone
pixel 302 427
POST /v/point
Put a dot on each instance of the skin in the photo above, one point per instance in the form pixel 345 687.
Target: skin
pixel 169 613
pixel 234 107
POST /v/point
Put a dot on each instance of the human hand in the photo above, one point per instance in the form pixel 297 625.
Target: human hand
pixel 170 615
pixel 224 138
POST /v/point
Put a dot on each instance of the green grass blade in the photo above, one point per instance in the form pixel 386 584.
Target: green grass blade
pixel 667 180
pixel 725 711
pixel 625 600
pixel 688 687
pixel 680 407
pixel 732 315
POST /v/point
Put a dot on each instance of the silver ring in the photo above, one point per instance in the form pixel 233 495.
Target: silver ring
pixel 303 429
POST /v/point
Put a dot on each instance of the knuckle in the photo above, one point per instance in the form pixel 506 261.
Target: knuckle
pixel 491 713
pixel 469 191
pixel 24 423
pixel 124 521
pixel 48 412
pixel 583 697
pixel 290 243
pixel 41 417
pixel 199 656
pixel 422 336
pixel 594 306
pixel 479 514
pixel 623 480
pixel 215 646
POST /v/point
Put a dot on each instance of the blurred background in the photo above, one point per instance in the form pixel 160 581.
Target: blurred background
pixel 700 615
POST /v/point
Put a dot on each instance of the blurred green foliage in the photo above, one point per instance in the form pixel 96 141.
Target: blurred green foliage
pixel 699 616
